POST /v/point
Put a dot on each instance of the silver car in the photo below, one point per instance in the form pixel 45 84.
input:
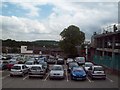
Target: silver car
pixel 19 69
pixel 57 71
pixel 37 71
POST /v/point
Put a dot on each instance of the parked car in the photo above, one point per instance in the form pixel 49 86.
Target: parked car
pixel 80 60
pixel 78 73
pixel 97 71
pixel 37 71
pixel 19 69
pixel 87 65
pixel 71 65
pixel 60 61
pixel 69 60
pixel 29 63
pixel 51 61
pixel 45 65
pixel 41 60
pixel 57 71
pixel 11 64
pixel 3 65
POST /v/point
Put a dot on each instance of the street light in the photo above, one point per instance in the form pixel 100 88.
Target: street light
pixel 86 50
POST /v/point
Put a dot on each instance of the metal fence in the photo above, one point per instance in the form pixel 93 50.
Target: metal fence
pixel 107 61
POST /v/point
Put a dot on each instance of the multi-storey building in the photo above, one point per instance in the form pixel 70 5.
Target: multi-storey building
pixel 106 47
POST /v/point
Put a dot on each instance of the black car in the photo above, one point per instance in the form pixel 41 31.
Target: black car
pixel 71 65
pixel 60 61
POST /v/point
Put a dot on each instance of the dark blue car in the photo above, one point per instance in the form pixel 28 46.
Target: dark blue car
pixel 78 73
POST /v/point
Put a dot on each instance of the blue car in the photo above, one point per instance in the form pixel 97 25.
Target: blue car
pixel 78 73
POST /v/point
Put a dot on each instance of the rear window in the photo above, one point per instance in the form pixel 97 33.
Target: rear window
pixel 35 68
pixel 98 69
pixel 57 68
pixel 16 67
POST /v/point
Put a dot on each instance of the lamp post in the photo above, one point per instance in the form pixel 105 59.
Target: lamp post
pixel 86 49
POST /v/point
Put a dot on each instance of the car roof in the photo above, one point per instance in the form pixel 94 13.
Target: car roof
pixel 57 65
pixel 97 66
pixel 19 64
pixel 88 63
pixel 37 65
pixel 29 61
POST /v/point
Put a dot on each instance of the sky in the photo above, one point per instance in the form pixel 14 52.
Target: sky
pixel 44 19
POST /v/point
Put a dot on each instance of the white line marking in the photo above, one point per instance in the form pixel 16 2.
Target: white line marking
pixel 110 79
pixel 5 76
pixel 25 77
pixel 89 80
pixel 46 77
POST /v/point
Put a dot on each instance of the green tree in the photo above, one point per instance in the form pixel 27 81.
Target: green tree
pixel 71 37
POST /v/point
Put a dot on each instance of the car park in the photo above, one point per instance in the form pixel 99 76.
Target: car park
pixel 37 71
pixel 69 60
pixel 60 61
pixel 19 69
pixel 87 65
pixel 57 72
pixel 71 65
pixel 80 60
pixel 97 72
pixel 29 63
pixel 78 73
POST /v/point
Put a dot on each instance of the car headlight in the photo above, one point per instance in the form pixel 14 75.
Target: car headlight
pixel 74 74
pixel 84 74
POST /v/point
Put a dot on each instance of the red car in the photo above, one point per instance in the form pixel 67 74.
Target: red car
pixel 11 64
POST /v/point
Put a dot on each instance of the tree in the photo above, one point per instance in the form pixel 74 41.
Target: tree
pixel 71 37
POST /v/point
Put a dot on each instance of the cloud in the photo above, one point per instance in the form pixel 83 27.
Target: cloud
pixel 89 17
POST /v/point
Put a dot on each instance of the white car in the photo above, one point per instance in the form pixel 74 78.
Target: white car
pixel 87 65
pixel 97 71
pixel 80 60
pixel 29 63
pixel 19 69
pixel 57 71
pixel 69 60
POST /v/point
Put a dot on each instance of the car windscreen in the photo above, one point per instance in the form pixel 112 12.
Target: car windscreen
pixel 29 63
pixel 98 69
pixel 57 68
pixel 16 67
pixel 73 64
pixel 88 65
pixel 12 62
pixel 35 68
pixel 77 69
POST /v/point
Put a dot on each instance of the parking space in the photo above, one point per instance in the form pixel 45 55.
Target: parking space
pixel 26 82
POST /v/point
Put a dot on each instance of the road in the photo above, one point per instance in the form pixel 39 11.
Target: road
pixel 24 82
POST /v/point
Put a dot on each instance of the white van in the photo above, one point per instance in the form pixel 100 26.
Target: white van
pixel 80 60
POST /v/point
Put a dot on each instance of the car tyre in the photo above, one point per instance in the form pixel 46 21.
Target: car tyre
pixel 23 75
pixel 11 75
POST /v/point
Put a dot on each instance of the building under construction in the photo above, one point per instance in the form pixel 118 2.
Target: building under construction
pixel 106 47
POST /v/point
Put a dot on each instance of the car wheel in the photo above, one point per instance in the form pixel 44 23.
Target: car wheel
pixel 92 78
pixel 29 76
pixel 11 75
pixel 23 75
pixel 104 78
